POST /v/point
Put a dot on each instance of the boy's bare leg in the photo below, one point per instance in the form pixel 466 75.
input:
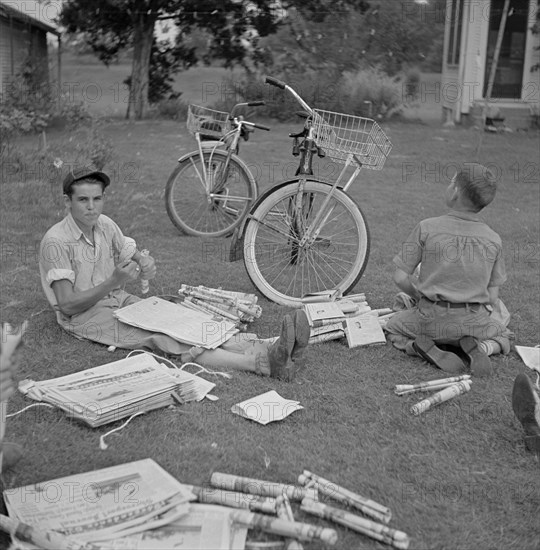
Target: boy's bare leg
pixel 280 358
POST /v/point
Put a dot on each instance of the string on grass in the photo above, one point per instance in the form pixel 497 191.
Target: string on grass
pixel 29 407
pixel 175 366
pixel 102 445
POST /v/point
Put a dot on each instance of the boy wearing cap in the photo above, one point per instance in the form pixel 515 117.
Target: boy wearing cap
pixel 461 268
pixel 85 260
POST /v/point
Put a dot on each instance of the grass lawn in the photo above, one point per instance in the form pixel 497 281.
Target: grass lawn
pixel 457 477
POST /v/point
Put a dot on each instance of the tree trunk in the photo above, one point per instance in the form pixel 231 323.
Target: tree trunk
pixel 142 44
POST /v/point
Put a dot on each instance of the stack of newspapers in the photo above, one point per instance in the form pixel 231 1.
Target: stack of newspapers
pixel 135 506
pixel 115 507
pixel 185 324
pixel 332 316
pixel 116 390
pixel 238 307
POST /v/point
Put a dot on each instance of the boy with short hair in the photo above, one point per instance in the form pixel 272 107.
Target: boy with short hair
pixel 461 268
pixel 84 262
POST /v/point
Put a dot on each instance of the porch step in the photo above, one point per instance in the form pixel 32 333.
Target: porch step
pixel 513 115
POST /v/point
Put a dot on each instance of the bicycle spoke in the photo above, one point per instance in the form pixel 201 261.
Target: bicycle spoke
pixel 282 268
pixel 199 175
pixel 197 212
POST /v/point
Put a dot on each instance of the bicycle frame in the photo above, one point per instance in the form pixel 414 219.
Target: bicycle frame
pixel 307 148
pixel 231 148
pixel 231 142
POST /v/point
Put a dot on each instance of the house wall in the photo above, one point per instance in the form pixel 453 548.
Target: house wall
pixel 462 85
pixel 476 25
pixel 18 41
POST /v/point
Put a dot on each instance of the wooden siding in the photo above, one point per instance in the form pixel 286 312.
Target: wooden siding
pixel 18 42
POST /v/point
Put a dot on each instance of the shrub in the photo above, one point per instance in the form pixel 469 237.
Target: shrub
pixel 94 147
pixel 368 92
pixel 372 87
pixel 171 109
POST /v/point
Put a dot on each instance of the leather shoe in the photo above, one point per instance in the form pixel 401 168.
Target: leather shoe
pixel 285 355
pixel 444 360
pixel 526 405
pixel 279 353
pixel 302 332
pixel 480 362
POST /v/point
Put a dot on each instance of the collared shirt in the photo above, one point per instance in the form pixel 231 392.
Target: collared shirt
pixel 66 253
pixel 460 256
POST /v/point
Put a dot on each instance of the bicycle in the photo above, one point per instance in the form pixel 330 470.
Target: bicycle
pixel 306 235
pixel 211 189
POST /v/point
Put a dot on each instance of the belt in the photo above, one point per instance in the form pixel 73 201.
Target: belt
pixel 452 305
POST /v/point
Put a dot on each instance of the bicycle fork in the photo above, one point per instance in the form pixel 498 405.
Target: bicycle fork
pixel 321 217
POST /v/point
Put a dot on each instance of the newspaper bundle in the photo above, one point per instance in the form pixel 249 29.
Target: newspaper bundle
pixel 102 506
pixel 238 307
pixel 115 390
pixel 333 317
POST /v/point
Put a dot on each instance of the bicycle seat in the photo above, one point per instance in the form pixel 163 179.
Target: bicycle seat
pixel 302 133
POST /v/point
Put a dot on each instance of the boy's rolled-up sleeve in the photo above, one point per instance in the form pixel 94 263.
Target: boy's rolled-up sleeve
pixel 54 261
pixel 498 273
pixel 127 249
pixel 410 254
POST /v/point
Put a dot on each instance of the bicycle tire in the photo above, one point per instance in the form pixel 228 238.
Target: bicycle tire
pixel 186 199
pixel 280 269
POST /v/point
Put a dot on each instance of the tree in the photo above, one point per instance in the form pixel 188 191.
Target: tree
pixel 389 34
pixel 111 25
pixel 403 32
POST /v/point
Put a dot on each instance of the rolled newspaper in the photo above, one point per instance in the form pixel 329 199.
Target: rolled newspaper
pixel 259 487
pixel 233 499
pixel 383 311
pixel 431 385
pixel 440 397
pixel 376 531
pixel 327 337
pixel 48 540
pixel 334 491
pixel 284 528
pixel 284 511
pixel 145 285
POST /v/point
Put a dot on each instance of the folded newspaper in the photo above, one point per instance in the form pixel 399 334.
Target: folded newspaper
pixel 267 407
pixel 115 390
pixel 190 326
pixel 204 527
pixel 102 506
pixel 530 356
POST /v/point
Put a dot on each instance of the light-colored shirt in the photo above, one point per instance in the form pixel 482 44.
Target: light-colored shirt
pixel 460 256
pixel 66 253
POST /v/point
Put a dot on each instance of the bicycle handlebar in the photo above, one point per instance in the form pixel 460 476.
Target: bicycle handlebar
pixel 259 126
pixel 275 82
pixel 280 84
pixel 245 104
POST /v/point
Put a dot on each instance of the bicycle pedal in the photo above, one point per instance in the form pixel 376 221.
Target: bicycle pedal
pixel 322 242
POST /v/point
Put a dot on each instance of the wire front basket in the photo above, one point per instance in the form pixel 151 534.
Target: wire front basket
pixel 210 123
pixel 342 135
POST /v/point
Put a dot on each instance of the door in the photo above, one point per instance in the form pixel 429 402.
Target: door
pixel 509 76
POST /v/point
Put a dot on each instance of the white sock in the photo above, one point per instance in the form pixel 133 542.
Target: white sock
pixel 490 347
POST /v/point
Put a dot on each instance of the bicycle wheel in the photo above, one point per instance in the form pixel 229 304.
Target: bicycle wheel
pixel 212 210
pixel 283 269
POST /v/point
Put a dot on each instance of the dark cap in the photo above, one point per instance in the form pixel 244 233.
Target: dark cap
pixel 82 172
